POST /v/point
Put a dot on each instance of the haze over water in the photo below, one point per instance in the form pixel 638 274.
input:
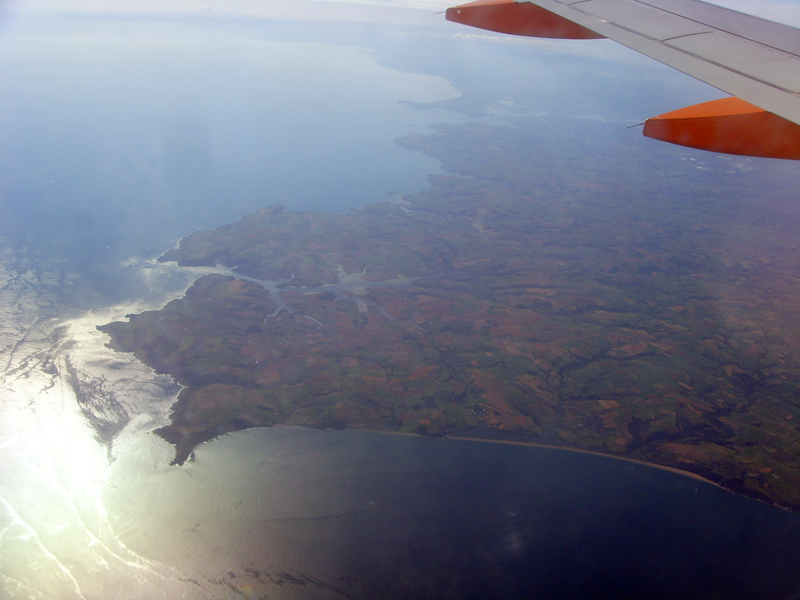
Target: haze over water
pixel 122 135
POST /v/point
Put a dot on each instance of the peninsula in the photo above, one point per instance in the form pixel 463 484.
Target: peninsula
pixel 518 294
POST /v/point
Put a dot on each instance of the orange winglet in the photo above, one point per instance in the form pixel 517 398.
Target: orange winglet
pixel 729 125
pixel 518 18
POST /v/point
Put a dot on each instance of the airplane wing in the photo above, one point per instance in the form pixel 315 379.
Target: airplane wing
pixel 754 60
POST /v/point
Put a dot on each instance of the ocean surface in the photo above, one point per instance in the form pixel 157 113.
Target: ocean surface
pixel 120 136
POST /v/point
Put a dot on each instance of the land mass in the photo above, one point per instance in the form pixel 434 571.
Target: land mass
pixel 517 294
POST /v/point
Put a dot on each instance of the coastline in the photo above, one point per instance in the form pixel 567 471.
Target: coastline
pixel 467 438
pixel 516 313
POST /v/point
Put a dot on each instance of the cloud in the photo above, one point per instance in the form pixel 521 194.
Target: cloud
pixel 785 11
pixel 411 16
pixel 228 8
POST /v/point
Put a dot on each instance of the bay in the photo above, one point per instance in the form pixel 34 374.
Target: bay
pixel 290 512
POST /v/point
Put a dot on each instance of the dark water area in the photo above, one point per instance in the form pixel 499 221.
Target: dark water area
pixel 370 515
